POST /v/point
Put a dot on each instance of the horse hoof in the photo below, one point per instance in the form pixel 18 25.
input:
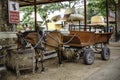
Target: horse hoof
pixel 43 70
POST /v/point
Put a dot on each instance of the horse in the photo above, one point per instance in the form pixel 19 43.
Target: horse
pixel 42 43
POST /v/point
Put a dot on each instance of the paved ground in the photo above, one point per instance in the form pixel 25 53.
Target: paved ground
pixel 109 72
pixel 100 70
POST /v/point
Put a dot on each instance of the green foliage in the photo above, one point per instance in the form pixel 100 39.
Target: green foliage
pixel 19 27
pixel 98 7
pixel 26 17
pixel 46 9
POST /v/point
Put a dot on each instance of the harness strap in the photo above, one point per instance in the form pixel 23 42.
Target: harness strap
pixel 39 41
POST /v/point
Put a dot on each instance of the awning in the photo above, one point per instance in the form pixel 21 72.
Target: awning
pixel 31 2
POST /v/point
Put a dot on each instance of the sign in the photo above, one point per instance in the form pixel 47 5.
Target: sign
pixel 13 8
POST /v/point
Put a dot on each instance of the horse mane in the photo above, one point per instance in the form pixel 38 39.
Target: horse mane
pixel 27 32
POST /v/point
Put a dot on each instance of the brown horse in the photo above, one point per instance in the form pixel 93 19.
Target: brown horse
pixel 42 43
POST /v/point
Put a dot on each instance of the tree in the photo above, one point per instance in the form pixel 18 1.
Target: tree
pixel 98 7
pixel 26 17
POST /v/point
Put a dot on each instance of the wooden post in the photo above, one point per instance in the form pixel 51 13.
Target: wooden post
pixel 116 22
pixel 107 12
pixel 85 19
pixel 35 15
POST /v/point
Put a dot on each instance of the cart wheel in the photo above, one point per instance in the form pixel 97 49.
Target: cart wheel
pixel 105 53
pixel 88 56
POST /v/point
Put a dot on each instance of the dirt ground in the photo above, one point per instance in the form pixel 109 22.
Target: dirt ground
pixel 100 70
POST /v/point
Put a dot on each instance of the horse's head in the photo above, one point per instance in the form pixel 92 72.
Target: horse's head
pixel 21 42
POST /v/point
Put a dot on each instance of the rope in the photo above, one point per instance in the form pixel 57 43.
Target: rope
pixel 61 42
pixel 70 39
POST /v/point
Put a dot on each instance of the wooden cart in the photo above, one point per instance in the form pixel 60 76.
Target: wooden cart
pixel 83 42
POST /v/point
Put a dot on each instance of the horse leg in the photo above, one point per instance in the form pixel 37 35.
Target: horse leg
pixel 36 66
pixel 42 63
pixel 59 52
pixel 36 62
pixel 40 54
pixel 60 59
